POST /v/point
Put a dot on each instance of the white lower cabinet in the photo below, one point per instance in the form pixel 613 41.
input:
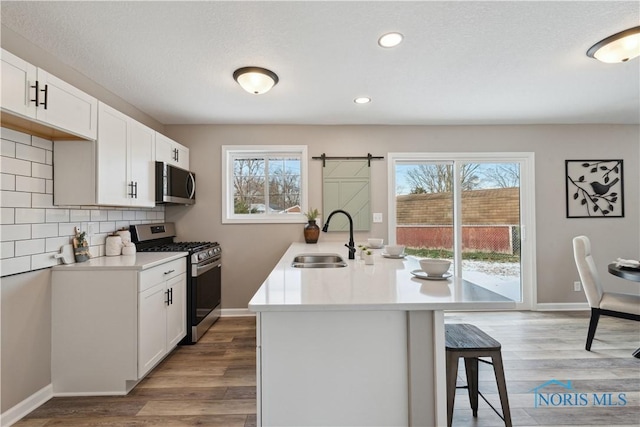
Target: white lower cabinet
pixel 163 301
pixel 110 327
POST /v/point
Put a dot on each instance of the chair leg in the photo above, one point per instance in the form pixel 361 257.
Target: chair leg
pixel 452 374
pixel 471 369
pixel 593 324
pixel 498 370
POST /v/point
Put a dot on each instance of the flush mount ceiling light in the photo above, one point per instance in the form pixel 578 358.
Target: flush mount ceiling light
pixel 390 39
pixel 362 100
pixel 619 47
pixel 255 80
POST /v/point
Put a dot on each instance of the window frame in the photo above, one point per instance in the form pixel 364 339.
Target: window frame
pixel 231 152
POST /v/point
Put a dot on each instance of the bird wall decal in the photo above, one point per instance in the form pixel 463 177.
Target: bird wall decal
pixel 594 188
pixel 601 189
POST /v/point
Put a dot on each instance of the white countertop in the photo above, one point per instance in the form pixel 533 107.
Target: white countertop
pixel 386 285
pixel 139 261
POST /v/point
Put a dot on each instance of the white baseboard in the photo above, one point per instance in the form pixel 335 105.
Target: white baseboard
pixel 237 312
pixel 567 306
pixel 15 414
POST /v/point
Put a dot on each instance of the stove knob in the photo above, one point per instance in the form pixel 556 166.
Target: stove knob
pixel 210 252
pixel 201 256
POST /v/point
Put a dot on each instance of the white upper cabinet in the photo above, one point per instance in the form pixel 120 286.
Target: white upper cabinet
pixel 125 160
pixel 116 170
pixel 17 77
pixel 33 93
pixel 171 152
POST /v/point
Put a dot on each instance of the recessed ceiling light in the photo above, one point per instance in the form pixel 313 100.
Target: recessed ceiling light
pixel 362 100
pixel 390 39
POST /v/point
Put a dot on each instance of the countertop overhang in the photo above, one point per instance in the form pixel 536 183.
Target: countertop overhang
pixel 386 285
pixel 139 261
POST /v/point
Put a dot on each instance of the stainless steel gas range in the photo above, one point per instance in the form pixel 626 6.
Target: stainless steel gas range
pixel 204 273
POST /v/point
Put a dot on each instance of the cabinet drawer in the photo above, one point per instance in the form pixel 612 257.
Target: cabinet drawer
pixel 161 273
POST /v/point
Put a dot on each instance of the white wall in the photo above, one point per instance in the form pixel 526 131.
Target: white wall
pixel 260 246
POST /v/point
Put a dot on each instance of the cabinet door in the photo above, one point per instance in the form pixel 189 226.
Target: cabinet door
pixel 67 107
pixel 169 151
pixel 152 337
pixel 164 147
pixel 17 77
pixel 182 154
pixel 142 150
pixel 177 311
pixel 113 158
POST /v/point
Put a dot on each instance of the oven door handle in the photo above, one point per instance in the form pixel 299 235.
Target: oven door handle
pixel 203 268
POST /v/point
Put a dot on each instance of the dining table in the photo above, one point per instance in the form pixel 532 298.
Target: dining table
pixel 628 273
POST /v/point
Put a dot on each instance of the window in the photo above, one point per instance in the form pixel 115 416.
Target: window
pixel 471 208
pixel 265 184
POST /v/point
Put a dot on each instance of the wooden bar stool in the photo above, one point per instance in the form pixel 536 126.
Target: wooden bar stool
pixel 469 342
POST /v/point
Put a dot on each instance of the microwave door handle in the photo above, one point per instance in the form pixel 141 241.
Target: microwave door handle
pixel 193 186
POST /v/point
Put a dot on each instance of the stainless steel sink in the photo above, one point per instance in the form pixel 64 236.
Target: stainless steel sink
pixel 318 261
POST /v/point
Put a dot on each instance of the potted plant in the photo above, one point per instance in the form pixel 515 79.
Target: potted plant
pixel 80 246
pixel 311 229
pixel 367 256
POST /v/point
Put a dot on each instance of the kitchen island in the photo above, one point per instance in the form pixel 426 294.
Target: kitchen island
pixel 361 345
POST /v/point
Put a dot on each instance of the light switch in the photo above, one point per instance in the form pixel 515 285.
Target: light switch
pixel 377 217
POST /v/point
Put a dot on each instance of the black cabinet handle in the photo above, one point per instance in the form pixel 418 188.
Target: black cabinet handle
pixel 37 93
pixel 171 296
pixel 135 193
pixel 46 96
pixel 167 301
pixel 169 272
pixel 130 185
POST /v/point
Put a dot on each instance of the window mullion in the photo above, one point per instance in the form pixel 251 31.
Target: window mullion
pixel 267 196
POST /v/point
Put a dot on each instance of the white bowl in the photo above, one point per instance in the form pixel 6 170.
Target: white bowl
pixel 435 267
pixel 375 243
pixel 394 250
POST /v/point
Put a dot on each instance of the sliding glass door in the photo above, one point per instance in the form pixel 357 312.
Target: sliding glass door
pixel 471 209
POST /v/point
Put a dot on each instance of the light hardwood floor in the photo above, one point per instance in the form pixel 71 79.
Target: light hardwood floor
pixel 213 382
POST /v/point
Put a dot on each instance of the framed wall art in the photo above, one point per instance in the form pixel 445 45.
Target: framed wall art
pixel 594 188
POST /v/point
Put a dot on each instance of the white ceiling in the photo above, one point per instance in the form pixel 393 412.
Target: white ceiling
pixel 473 62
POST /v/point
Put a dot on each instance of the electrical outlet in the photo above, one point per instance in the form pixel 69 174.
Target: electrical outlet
pixel 577 286
pixel 377 217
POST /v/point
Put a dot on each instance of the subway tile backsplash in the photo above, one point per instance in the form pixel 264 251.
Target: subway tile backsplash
pixel 32 229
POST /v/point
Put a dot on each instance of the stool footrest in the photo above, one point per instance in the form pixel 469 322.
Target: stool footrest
pixel 466 387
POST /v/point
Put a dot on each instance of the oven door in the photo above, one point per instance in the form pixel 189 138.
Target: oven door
pixel 206 291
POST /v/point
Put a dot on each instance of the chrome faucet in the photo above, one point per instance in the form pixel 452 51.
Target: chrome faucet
pixel 351 245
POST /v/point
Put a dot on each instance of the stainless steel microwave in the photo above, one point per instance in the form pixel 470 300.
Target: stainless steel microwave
pixel 174 185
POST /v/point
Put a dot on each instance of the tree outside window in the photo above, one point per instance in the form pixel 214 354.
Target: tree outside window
pixel 264 183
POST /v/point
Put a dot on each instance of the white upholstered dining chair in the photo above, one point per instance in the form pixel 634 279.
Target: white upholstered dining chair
pixel 625 306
